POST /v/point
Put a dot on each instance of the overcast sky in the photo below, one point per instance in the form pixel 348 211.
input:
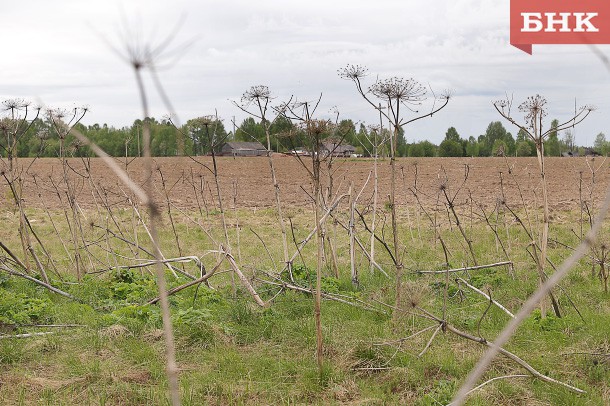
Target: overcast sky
pixel 57 53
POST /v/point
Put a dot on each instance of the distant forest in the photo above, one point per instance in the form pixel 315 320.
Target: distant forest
pixel 42 139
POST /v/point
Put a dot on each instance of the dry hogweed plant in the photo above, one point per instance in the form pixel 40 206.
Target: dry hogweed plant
pixel 581 250
pixel 140 56
pixel 15 121
pixel 256 102
pixel 394 95
pixel 313 133
pixel 534 108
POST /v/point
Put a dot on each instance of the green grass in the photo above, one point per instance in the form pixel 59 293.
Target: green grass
pixel 232 352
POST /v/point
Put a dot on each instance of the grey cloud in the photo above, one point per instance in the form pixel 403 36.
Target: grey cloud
pixel 295 48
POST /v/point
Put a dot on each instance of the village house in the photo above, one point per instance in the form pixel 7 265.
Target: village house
pixel 243 148
pixel 341 150
pixel 327 148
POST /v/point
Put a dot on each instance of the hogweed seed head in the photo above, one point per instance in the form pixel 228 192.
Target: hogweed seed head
pixel 259 92
pixel 352 72
pixel 15 104
pixel 534 107
pixel 400 89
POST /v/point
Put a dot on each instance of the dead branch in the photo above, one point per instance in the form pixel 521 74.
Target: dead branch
pixel 165 261
pixel 486 296
pixel 492 380
pixel 27 335
pixel 468 268
pixel 244 280
pixel 265 246
pixel 531 303
pixel 15 258
pixel 41 283
pixel 445 326
pixel 364 250
pixel 329 210
pixel 430 341
pixel 197 281
pixel 381 240
pixel 402 340
pixel 358 303
pixel 513 357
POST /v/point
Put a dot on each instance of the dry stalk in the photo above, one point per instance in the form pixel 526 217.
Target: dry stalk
pixel 315 132
pixel 237 227
pixel 25 228
pixel 244 280
pixel 362 247
pixel 402 340
pixel 15 122
pixel 535 110
pixel 149 230
pixel 450 203
pixel 438 328
pixel 467 268
pixel 57 233
pixel 496 347
pixel 13 256
pixel 167 261
pixel 532 301
pixel 497 378
pixel 169 211
pixel 260 96
pixel 171 366
pixel 330 296
pixel 395 93
pixel 486 296
pixel 140 56
pixel 27 335
pixel 313 232
pixel 198 281
pixel 352 233
pixel 36 281
pixel 494 229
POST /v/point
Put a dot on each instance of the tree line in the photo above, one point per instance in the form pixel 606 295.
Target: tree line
pixel 168 139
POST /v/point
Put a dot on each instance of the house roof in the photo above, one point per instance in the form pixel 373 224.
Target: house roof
pixel 338 149
pixel 246 145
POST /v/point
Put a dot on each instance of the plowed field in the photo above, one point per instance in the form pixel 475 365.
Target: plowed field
pixel 248 180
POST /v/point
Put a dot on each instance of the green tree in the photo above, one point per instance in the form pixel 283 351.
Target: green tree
pixel 525 148
pixel 472 147
pixel 551 146
pixel 115 142
pixel 521 135
pixel 279 129
pixel 206 133
pixel 163 142
pixel 499 148
pixel 250 130
pixel 416 150
pixel 29 144
pixel 567 141
pixel 525 145
pixel 347 130
pixel 496 131
pixel 452 134
pixel 363 141
pixel 422 149
pixel 401 143
pixel 601 145
pixel 450 148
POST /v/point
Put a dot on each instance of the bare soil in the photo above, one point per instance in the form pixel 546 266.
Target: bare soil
pixel 247 181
